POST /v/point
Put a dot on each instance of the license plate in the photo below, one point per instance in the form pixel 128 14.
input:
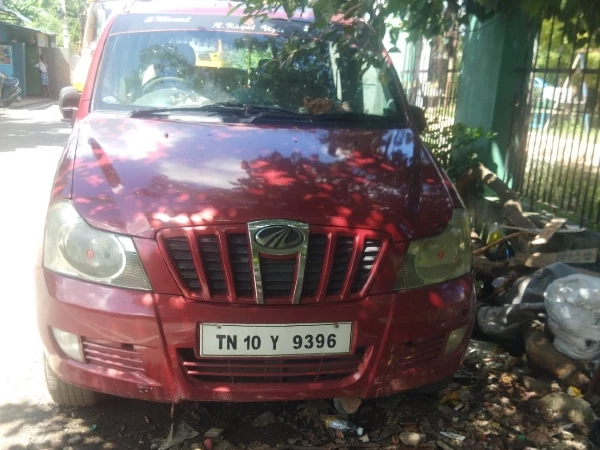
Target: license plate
pixel 275 340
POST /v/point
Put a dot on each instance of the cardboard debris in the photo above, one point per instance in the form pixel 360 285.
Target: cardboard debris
pixel 551 227
pixel 540 260
pixel 535 231
pixel 177 435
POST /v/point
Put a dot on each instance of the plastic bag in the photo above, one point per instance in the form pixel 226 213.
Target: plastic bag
pixel 520 303
pixel 573 308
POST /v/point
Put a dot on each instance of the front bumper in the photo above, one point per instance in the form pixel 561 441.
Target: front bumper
pixel 134 342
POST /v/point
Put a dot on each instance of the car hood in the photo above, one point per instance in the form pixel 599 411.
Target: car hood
pixel 136 176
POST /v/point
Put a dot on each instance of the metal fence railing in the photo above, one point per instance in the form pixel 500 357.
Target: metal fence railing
pixel 558 159
pixel 439 101
pixel 431 81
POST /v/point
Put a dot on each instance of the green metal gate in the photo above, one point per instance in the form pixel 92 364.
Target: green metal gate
pixel 556 166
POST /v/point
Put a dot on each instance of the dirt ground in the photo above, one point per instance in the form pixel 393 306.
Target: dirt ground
pixel 488 407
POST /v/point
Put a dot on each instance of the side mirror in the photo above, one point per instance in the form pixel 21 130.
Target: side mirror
pixel 68 102
pixel 418 116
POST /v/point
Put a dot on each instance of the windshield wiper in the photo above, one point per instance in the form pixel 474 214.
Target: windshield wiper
pixel 150 112
pixel 249 110
pixel 254 110
pixel 250 113
pixel 351 117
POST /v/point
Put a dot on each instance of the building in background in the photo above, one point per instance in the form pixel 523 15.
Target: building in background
pixel 20 48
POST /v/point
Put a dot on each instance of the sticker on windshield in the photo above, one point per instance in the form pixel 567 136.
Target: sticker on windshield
pixel 233 26
pixel 248 26
pixel 271 29
pixel 167 19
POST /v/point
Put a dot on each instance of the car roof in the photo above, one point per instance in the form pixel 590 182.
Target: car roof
pixel 208 7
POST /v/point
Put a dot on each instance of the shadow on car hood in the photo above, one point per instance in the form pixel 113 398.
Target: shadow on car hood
pixel 136 176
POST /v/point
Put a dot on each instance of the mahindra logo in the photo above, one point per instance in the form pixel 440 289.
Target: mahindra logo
pixel 279 237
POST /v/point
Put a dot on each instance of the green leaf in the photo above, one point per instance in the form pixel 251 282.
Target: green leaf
pixel 235 8
pixel 394 34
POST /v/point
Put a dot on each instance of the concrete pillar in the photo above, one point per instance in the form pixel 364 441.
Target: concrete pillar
pixel 493 84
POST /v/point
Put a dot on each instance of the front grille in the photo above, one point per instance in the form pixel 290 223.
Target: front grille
pixel 340 265
pixel 270 370
pixel 239 258
pixel 317 246
pixel 110 355
pixel 181 254
pixel 341 262
pixel 212 264
pixel 277 276
pixel 367 260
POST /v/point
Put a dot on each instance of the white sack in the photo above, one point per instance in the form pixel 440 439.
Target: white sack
pixel 573 308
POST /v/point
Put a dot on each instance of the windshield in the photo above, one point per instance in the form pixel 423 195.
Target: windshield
pixel 181 67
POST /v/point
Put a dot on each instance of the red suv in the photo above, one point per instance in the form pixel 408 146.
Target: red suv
pixel 247 213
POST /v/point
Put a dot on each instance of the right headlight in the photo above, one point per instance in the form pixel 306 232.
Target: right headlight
pixel 73 248
pixel 440 258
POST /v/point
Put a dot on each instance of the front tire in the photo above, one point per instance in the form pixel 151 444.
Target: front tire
pixel 347 405
pixel 67 394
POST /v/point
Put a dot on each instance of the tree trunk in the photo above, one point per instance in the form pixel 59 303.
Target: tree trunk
pixel 541 353
pixel 416 72
pixel 449 79
pixel 511 205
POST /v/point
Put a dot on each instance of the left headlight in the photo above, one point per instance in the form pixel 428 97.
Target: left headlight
pixel 440 258
pixel 73 248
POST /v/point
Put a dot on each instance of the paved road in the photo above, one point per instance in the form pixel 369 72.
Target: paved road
pixel 31 141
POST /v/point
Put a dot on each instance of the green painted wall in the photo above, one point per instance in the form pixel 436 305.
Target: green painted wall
pixel 492 87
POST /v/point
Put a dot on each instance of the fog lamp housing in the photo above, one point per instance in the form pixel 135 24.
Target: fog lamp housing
pixel 455 338
pixel 69 344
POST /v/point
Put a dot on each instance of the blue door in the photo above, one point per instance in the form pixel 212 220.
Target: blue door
pixel 18 54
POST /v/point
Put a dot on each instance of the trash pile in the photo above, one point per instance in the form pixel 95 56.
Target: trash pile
pixel 538 297
pixel 547 304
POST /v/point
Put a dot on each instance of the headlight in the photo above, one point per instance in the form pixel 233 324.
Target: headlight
pixel 73 248
pixel 440 258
